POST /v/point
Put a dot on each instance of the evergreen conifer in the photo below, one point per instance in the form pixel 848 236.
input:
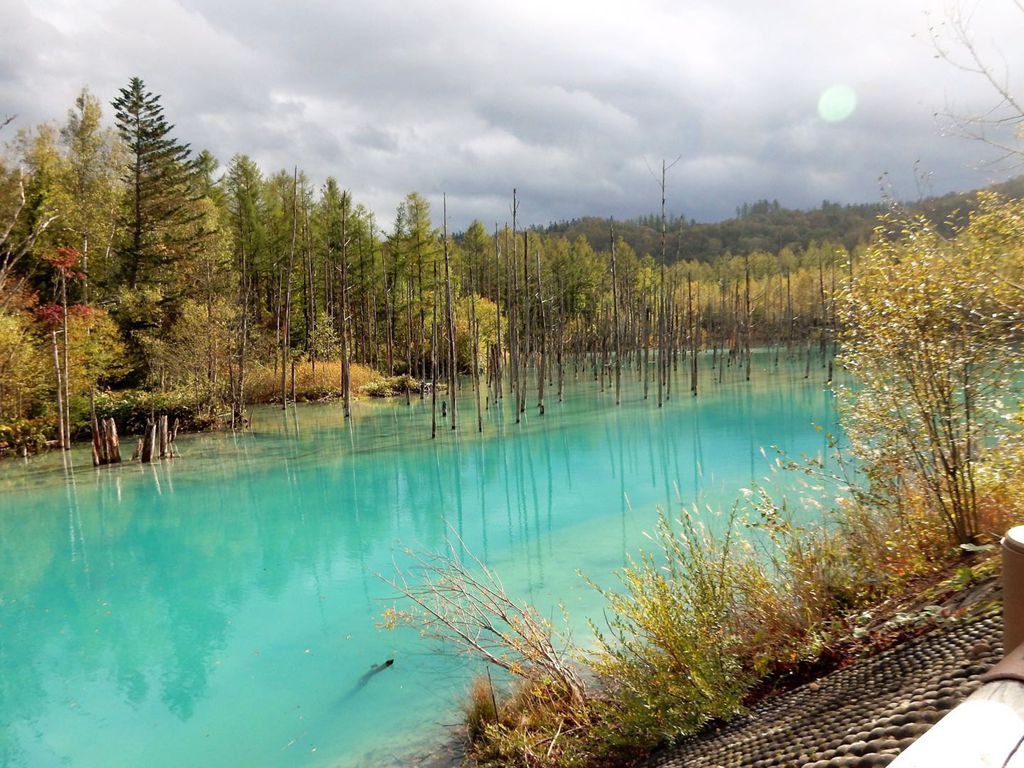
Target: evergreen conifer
pixel 160 179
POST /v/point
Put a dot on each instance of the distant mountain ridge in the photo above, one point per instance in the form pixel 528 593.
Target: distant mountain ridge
pixel 762 226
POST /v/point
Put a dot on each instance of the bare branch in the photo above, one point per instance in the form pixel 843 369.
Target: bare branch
pixel 1007 113
pixel 465 604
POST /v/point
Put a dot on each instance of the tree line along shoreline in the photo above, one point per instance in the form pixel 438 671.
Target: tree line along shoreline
pixel 136 275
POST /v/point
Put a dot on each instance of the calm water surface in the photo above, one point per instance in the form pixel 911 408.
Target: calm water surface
pixel 220 609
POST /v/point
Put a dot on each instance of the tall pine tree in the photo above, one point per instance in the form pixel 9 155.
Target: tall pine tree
pixel 159 212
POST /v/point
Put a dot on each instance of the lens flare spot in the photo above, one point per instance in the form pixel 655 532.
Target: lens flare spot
pixel 837 103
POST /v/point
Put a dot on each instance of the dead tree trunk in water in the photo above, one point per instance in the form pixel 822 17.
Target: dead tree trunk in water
pixel 526 338
pixel 409 341
pixel 646 340
pixel 389 309
pixel 148 447
pixel 542 361
pixel 105 446
pixel 561 351
pixel 452 366
pixel 514 310
pixel 747 316
pixel 663 302
pixel 661 337
pixel 346 386
pixel 497 292
pixel 61 426
pixel 694 325
pixel 433 363
pixel 286 320
pixel 475 340
pixel 65 435
pixel 238 407
pixel 615 320
pixel 162 436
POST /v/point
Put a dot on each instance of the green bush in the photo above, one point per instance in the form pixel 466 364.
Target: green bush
pixel 390 386
pixel 671 659
pixel 20 436
pixel 131 408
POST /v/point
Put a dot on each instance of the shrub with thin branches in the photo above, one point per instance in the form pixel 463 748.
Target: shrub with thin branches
pixel 932 332
pixel 459 600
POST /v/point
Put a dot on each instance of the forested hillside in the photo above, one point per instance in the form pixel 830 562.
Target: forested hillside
pixel 766 226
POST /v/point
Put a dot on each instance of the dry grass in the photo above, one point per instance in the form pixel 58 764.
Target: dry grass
pixel 263 383
pixel 481 707
pixel 534 726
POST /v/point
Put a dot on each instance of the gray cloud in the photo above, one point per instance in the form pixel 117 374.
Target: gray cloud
pixel 573 103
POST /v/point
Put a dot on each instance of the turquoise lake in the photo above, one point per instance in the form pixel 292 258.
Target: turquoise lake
pixel 220 609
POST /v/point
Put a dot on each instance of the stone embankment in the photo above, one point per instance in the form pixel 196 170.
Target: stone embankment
pixel 862 715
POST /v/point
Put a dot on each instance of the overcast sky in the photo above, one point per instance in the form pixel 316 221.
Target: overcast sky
pixel 573 103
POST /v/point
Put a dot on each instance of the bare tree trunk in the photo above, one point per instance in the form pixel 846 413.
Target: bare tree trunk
pixel 433 364
pixel 238 404
pixel 747 316
pixel 99 445
pixel 542 361
pixel 346 384
pixel 308 289
pixel 789 314
pixel 211 349
pixel 163 436
pixel 148 442
pixel 65 437
pixel 497 293
pixel 646 340
pixel 661 337
pixel 389 314
pixel 476 354
pixel 421 354
pixel 527 336
pixel 662 316
pixel 452 366
pixel 615 320
pixel 286 321
pixel 693 331
pixel 409 342
pixel 60 389
pixel 514 309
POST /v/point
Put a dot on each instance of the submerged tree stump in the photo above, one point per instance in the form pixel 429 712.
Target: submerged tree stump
pixel 163 435
pixel 105 446
pixel 148 447
pixel 158 440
